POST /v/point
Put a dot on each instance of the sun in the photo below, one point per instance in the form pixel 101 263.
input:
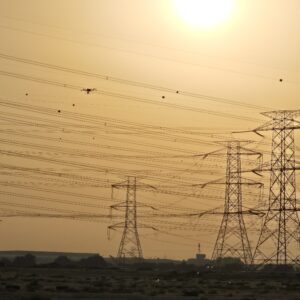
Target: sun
pixel 204 13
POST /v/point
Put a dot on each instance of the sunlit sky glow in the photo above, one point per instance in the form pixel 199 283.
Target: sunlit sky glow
pixel 204 13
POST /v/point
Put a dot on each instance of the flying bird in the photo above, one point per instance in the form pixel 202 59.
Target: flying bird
pixel 88 90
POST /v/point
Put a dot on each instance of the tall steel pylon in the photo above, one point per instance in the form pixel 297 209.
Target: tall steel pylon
pixel 232 239
pixel 278 241
pixel 130 245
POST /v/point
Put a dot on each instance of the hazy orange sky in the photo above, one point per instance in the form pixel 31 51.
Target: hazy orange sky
pixel 240 61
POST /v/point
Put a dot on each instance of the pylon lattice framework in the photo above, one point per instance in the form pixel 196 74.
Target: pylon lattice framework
pixel 130 246
pixel 278 241
pixel 232 239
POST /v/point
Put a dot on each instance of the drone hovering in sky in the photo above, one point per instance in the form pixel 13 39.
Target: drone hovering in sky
pixel 88 90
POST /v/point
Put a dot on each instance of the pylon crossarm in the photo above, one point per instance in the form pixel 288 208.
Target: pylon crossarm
pixel 120 184
pixel 277 210
pixel 256 212
pixel 248 181
pixel 249 152
pixel 257 171
pixel 277 128
pixel 203 185
pixel 124 184
pixel 139 204
pixel 256 132
pixel 118 205
pixel 265 127
pixel 248 131
pixel 215 182
pixel 216 152
pixel 276 113
pixel 173 215
pixel 209 212
pixel 123 205
pixel 269 126
pixel 145 226
pixel 116 226
pixel 144 185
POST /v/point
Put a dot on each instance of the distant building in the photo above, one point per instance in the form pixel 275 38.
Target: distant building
pixel 199 260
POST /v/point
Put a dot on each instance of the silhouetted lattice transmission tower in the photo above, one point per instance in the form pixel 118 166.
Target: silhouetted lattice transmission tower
pixel 232 239
pixel 130 245
pixel 278 241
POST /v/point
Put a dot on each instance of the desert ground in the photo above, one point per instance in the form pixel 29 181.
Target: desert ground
pixel 142 283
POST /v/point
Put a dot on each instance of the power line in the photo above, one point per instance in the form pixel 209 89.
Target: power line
pixel 137 53
pixel 131 83
pixel 128 97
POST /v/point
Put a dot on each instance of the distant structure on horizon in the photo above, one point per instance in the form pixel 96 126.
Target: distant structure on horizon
pixel 200 258
pixel 45 256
